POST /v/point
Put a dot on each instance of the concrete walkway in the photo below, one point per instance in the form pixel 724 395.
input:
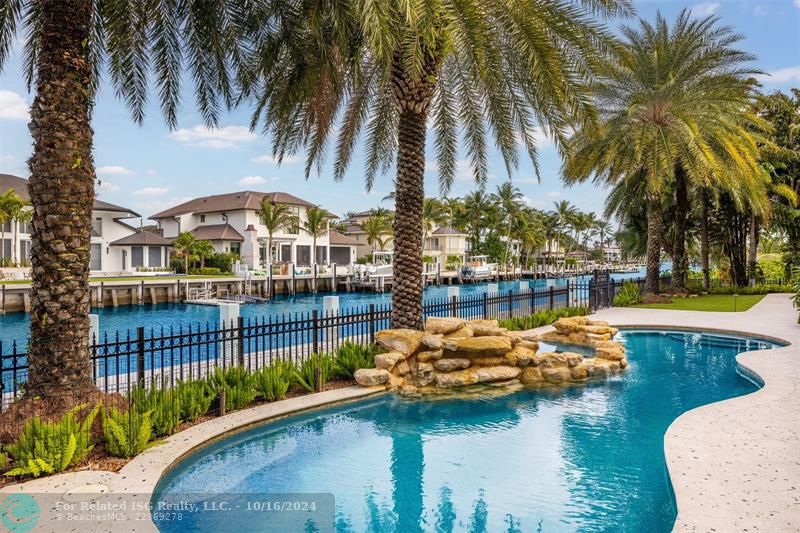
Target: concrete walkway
pixel 735 465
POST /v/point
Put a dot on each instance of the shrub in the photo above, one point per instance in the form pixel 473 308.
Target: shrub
pixel 758 289
pixel 628 295
pixel 224 262
pixel 207 271
pixel 49 447
pixel 272 382
pixel 238 385
pixel 542 318
pixel 164 407
pixel 126 433
pixel 306 375
pixel 351 356
pixel 195 398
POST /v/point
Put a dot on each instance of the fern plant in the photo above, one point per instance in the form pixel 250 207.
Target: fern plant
pixel 351 356
pixel 238 385
pixel 164 406
pixel 195 398
pixel 306 374
pixel 272 382
pixel 126 433
pixel 628 295
pixel 49 447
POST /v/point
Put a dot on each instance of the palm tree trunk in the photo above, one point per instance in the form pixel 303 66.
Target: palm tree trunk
pixel 704 242
pixel 679 240
pixel 408 227
pixel 753 252
pixel 15 244
pixel 62 194
pixel 654 229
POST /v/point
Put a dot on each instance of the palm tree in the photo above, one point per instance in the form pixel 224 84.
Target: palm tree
pixel 6 201
pixel 603 230
pixel 378 229
pixel 316 224
pixel 454 208
pixel 202 250
pixel 274 216
pixel 509 198
pixel 68 45
pixel 475 205
pixel 18 211
pixel 432 215
pixel 676 100
pixel 389 69
pixel 565 212
pixel 183 247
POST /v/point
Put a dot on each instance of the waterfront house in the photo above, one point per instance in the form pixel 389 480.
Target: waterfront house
pixel 116 247
pixel 353 229
pixel 446 242
pixel 232 223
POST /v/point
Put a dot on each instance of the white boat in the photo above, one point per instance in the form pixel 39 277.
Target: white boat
pixel 478 267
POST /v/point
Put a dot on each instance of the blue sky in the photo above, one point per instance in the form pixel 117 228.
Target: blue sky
pixel 149 168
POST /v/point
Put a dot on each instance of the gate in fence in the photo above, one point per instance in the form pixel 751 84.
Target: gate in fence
pixel 601 289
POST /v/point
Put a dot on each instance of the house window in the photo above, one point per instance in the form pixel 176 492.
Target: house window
pixel 434 243
pixel 303 255
pixel 96 254
pixel 322 255
pixel 7 248
pixel 286 252
pixel 236 248
pixel 7 226
pixel 202 218
pixel 97 227
pixel 25 251
pixel 340 255
pixel 24 227
pixel 154 256
pixel 137 256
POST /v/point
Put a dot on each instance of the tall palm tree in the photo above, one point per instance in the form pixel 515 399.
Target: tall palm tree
pixel 389 69
pixel 68 45
pixel 550 223
pixel 509 198
pixel 378 229
pixel 432 215
pixel 273 217
pixel 454 208
pixel 565 212
pixel 316 225
pixel 603 230
pixel 202 250
pixel 475 206
pixel 183 247
pixel 677 99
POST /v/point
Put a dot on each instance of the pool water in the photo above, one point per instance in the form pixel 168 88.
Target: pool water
pixel 582 458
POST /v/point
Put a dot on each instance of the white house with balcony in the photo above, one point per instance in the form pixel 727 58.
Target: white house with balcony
pixel 116 247
pixel 445 242
pixel 232 223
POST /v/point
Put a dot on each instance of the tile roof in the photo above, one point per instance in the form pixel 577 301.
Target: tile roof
pixel 229 202
pixel 142 238
pixel 217 232
pixel 447 230
pixel 337 238
pixel 20 186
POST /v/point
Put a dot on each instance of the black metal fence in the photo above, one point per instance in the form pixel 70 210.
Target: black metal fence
pixel 163 356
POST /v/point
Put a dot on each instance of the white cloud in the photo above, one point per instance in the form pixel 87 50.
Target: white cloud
pixel 760 10
pixel 705 9
pixel 13 106
pixel 797 3
pixel 104 186
pixel 271 160
pixel 152 172
pixel 782 75
pixel 115 170
pixel 151 191
pixel 227 137
pixel 255 180
pixel 554 194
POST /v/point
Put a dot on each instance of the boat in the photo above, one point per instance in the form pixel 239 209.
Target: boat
pixel 477 267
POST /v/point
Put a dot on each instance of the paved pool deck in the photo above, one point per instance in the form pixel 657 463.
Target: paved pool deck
pixel 735 464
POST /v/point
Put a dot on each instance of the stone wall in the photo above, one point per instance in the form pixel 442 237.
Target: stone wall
pixel 454 353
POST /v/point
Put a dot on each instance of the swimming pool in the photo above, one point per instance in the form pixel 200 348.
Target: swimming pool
pixel 586 458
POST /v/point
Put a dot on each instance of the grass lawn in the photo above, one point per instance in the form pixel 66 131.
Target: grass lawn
pixel 711 302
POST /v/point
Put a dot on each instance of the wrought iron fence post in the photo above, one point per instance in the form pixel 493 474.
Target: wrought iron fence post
pixel 140 356
pixel 551 297
pixel 510 303
pixel 592 296
pixel 240 339
pixel 568 289
pixel 315 331
pixel 371 323
pixel 454 306
pixel 485 305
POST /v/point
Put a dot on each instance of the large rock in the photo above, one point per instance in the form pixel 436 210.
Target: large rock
pixel 405 341
pixel 552 360
pixel 432 355
pixel 402 368
pixel 488 361
pixel 531 374
pixel 556 374
pixel 520 356
pixel 579 372
pixel 573 359
pixel 487 328
pixel 456 379
pixel 600 330
pixel 461 333
pixel 443 325
pixel 425 374
pixel 611 350
pixel 432 342
pixel 476 346
pixel 520 336
pixel 496 373
pixel 448 365
pixel 371 377
pixel 388 360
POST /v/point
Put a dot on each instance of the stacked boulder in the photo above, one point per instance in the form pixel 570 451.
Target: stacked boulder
pixel 453 353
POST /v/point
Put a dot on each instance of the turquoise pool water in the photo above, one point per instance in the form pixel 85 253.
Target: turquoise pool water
pixel 584 458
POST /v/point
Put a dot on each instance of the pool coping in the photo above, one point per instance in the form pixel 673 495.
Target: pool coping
pixel 734 465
